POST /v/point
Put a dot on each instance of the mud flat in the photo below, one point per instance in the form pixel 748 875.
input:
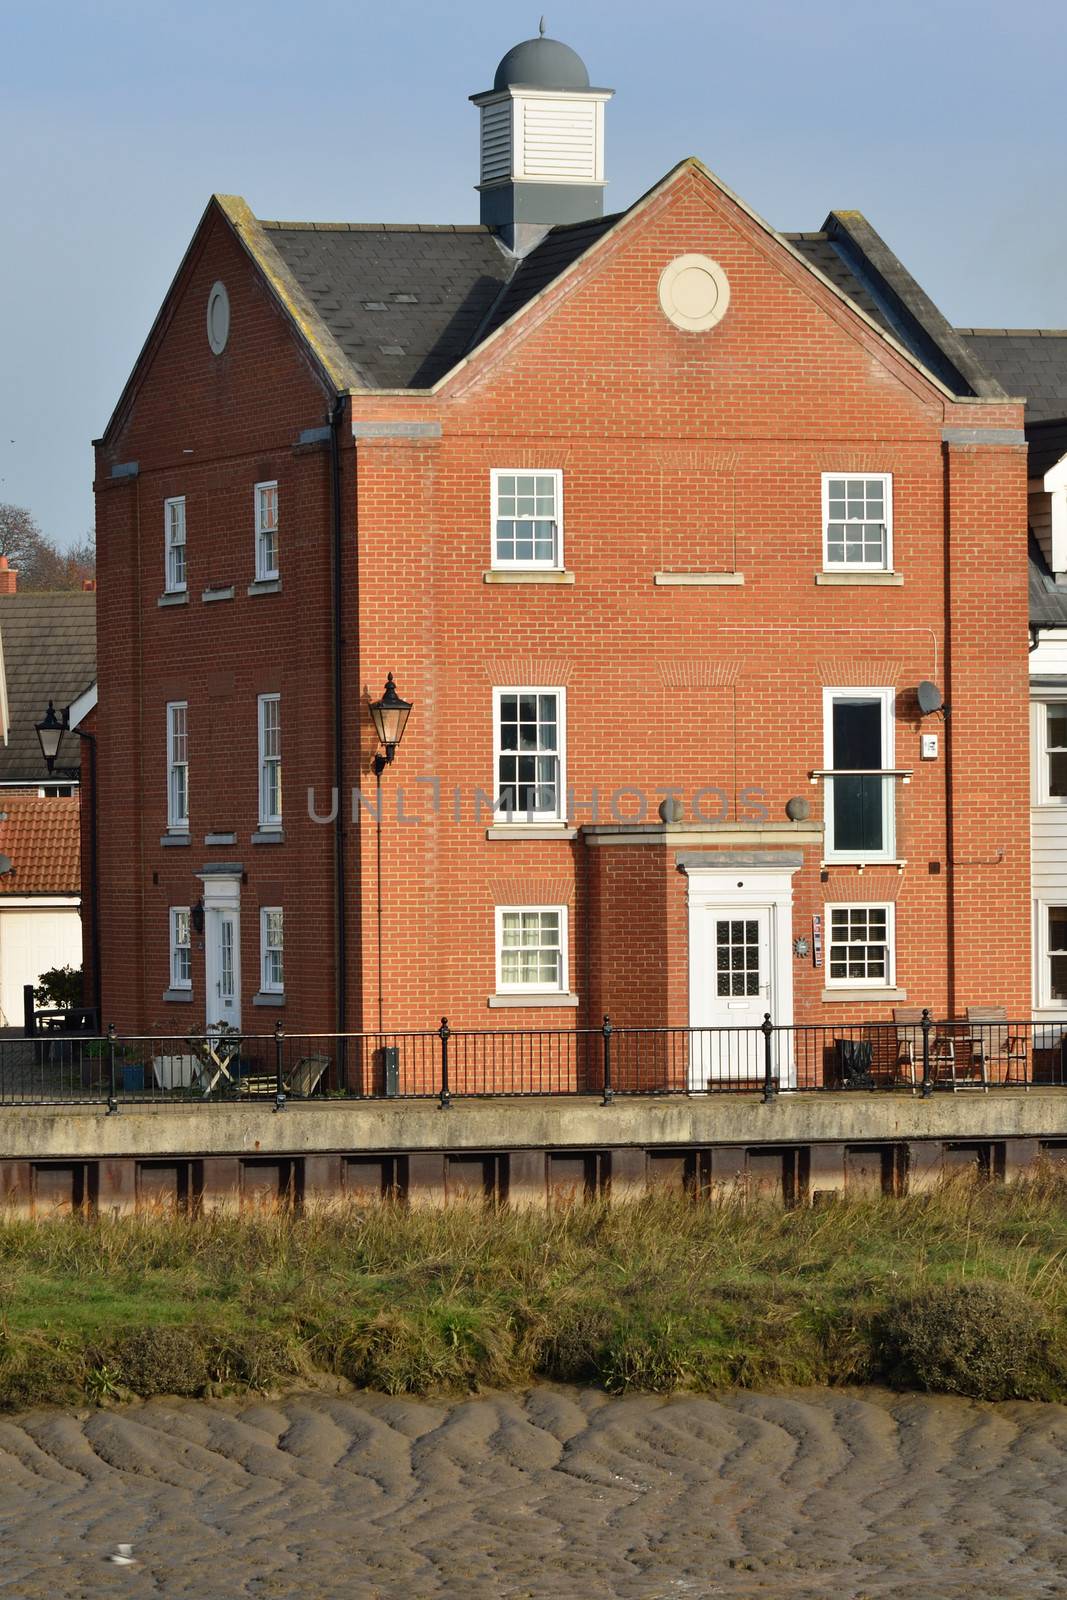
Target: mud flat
pixel 550 1493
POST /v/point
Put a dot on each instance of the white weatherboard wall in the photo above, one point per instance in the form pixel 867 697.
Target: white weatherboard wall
pixel 1048 820
pixel 36 933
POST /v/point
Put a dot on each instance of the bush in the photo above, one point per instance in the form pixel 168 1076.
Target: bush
pixel 59 989
pixel 977 1339
pixel 164 1360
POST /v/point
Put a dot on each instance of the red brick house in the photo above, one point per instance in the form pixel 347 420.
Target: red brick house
pixel 657 508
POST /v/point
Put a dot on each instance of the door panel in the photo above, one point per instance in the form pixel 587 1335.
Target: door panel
pixel 224 968
pixel 732 992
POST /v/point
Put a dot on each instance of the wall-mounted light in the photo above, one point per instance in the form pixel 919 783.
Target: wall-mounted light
pixel 390 717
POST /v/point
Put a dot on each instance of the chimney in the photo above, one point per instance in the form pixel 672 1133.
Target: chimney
pixel 9 578
pixel 542 143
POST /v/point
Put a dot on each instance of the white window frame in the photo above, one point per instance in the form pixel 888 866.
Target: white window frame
pixel 265 573
pixel 503 564
pixel 177 819
pixel 890 979
pixel 886 565
pixel 177 948
pixel 172 584
pixel 267 983
pixel 1044 798
pixel 526 817
pixel 564 962
pixel 888 699
pixel 269 818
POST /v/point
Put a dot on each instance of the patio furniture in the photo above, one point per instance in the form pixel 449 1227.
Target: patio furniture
pixel 215 1049
pixel 953 1062
pixel 993 1040
pixel 300 1084
pixel 908 1020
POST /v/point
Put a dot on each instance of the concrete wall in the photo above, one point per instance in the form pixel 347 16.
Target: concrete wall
pixel 799 1149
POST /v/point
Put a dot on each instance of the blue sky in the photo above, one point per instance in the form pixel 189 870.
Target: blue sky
pixel 941 120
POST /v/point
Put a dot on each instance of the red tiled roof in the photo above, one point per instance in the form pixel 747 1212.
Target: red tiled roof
pixel 41 837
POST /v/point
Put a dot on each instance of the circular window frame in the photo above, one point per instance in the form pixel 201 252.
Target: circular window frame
pixel 218 297
pixel 669 277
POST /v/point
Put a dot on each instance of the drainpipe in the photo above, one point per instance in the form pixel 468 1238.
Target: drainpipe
pixel 340 918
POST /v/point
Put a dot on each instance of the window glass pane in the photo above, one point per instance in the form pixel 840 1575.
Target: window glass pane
pixel 857 733
pixel 1057 928
pixel 1058 977
pixel 1057 774
pixel 858 813
pixel 1057 727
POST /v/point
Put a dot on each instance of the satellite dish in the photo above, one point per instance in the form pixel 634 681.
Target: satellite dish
pixel 929 697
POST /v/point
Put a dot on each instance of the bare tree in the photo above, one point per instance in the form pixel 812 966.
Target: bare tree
pixel 39 563
pixel 20 535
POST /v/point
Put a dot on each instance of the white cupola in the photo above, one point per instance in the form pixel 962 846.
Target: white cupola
pixel 542 142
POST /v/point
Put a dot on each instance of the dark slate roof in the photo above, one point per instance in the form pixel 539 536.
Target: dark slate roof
pixel 560 247
pixel 1028 361
pixel 1048 599
pixel 404 303
pixel 1048 444
pixel 849 252
pixel 49 644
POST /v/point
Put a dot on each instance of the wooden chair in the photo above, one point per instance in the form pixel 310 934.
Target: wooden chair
pixel 301 1083
pixel 908 1021
pixel 993 1040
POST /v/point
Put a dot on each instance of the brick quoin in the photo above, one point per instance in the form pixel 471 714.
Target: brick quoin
pixel 680 452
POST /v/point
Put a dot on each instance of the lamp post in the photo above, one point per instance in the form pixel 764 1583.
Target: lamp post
pixel 390 717
pixel 50 731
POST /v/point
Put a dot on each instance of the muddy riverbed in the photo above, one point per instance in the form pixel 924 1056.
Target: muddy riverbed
pixel 550 1493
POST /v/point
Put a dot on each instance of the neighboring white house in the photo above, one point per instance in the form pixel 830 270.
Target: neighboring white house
pixel 40 893
pixel 1033 363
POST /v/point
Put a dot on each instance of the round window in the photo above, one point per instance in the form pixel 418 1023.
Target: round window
pixel 218 318
pixel 694 293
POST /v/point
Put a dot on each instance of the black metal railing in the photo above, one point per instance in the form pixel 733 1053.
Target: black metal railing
pixel 922 1056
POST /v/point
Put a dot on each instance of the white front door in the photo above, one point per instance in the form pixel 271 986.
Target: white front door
pixel 223 967
pixel 740 950
pixel 731 992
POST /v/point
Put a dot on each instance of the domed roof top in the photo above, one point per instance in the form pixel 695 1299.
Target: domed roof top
pixel 542 64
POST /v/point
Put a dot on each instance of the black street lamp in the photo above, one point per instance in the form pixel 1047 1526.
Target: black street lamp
pixel 50 731
pixel 390 717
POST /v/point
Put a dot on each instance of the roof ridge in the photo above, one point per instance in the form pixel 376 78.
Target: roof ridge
pixel 1013 333
pixel 375 227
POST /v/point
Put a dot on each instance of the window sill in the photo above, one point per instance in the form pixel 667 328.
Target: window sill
pixel 527 575
pixel 173 840
pixel 268 999
pixel 269 836
pixel 498 1002
pixel 531 830
pixel 861 580
pixel 265 586
pixel 700 580
pixel 179 598
pixel 868 861
pixel 860 997
pixel 220 838
pixel 178 996
pixel 225 593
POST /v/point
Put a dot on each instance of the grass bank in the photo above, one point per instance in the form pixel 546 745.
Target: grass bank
pixel 960 1291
